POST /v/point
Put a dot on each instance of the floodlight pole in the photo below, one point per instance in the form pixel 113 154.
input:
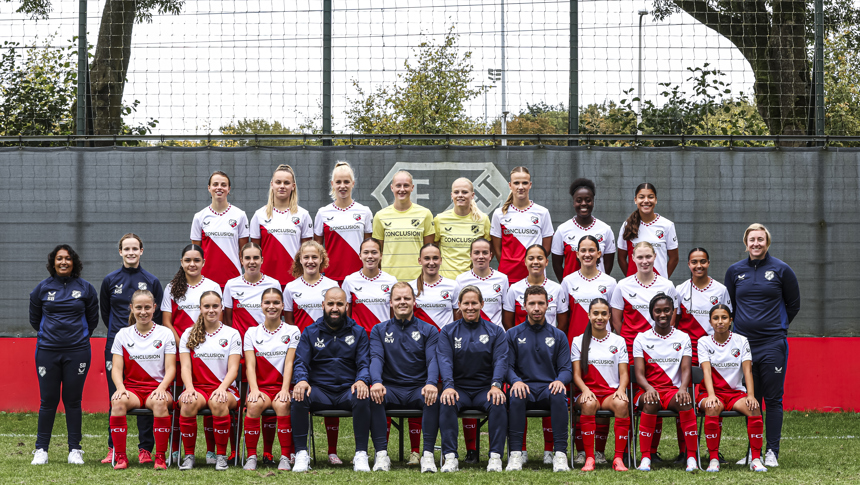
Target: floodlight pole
pixel 642 13
pixel 573 100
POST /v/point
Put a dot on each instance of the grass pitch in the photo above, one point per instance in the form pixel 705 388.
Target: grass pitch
pixel 816 448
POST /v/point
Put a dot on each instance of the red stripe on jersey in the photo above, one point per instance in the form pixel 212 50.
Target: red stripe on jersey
pixel 485 317
pixel 720 384
pixel 242 320
pixel 578 322
pixel 520 314
pixel 656 376
pixel 343 260
pixel 301 318
pixel 277 262
pixel 422 315
pixel 202 376
pixel 363 315
pixel 571 262
pixel 181 320
pixel 689 325
pixel 219 267
pixel 267 375
pixel 595 381
pixel 634 324
pixel 513 255
pixel 133 375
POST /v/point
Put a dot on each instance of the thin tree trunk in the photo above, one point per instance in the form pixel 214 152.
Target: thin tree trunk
pixel 110 65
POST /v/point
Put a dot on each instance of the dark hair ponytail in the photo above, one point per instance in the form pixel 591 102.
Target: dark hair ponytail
pixel 586 337
pixel 631 230
pixel 179 283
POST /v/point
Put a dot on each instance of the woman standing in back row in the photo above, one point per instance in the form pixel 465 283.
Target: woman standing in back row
pixel 517 225
pixel 342 225
pixel 569 233
pixel 457 229
pixel 646 225
pixel 280 226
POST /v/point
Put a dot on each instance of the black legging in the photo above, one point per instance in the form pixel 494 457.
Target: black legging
pixel 61 373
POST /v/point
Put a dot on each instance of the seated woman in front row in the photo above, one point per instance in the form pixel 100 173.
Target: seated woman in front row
pixel 726 363
pixel 661 358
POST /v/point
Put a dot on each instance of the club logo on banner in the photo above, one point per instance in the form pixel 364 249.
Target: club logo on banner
pixel 491 188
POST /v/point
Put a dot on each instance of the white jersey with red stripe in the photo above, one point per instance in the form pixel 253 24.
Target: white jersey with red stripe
pixel 369 298
pixel 661 234
pixel 246 300
pixel 210 359
pixel 514 300
pixel 580 291
pixel 219 234
pixel 306 300
pixel 518 230
pixel 270 350
pixel 494 289
pixel 604 355
pixel 435 304
pixel 726 361
pixel 663 356
pixel 343 231
pixel 633 298
pixel 280 237
pixel 143 356
pixel 565 242
pixel 696 307
pixel 187 309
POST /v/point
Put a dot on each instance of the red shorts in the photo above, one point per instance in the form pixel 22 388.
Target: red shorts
pixel 207 393
pixel 728 398
pixel 271 392
pixel 600 397
pixel 141 393
pixel 666 396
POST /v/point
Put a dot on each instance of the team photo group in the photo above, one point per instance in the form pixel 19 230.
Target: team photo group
pixel 273 318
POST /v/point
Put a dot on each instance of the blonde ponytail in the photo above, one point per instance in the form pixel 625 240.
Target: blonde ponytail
pixel 294 196
pixel 510 199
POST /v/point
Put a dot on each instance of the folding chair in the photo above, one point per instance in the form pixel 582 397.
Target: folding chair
pixel 397 416
pixel 696 377
pixel 148 412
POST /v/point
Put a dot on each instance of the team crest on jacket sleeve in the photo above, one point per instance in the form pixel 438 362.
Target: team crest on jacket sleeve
pixel 768 275
pixel 141 285
pixel 484 338
pixel 222 342
pixel 550 341
pixel 416 335
pixel 350 339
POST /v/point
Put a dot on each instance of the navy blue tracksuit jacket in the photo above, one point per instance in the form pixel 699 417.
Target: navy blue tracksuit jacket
pixel 538 355
pixel 472 355
pixel 115 296
pixel 403 353
pixel 64 312
pixel 333 361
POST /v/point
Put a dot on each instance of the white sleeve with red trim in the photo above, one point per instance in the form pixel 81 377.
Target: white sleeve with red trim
pixel 546 225
pixel 196 229
pixel 243 229
pixel 183 342
pixel 617 299
pixel 254 230
pixel 638 351
pixel 557 247
pixel 307 229
pixel 227 296
pixel 671 238
pixel 609 241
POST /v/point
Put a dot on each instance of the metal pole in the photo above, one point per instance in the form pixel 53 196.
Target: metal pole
pixel 573 95
pixel 642 13
pixel 326 87
pixel 504 107
pixel 83 67
pixel 818 68
pixel 485 107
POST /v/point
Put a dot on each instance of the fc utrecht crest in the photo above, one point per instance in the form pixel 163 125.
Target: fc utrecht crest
pixel 491 188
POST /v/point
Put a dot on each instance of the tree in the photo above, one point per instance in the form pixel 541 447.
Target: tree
pixel 842 85
pixel 773 36
pixel 429 98
pixel 109 69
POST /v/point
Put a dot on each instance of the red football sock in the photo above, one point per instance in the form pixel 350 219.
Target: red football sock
pixel 658 433
pixel 332 425
pixel 221 424
pixel 161 433
pixel 415 434
pixel 270 428
pixel 647 430
pixel 188 425
pixel 622 430
pixel 547 434
pixel 679 430
pixel 601 435
pixel 470 434
pixel 755 432
pixel 285 435
pixel 691 434
pixel 118 432
pixel 252 435
pixel 209 433
pixel 712 436
pixel 588 426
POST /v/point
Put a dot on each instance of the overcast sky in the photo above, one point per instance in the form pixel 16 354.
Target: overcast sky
pixel 221 61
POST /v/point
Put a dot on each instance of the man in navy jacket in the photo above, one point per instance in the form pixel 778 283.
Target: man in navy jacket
pixel 472 357
pixel 404 374
pixel 332 370
pixel 538 369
